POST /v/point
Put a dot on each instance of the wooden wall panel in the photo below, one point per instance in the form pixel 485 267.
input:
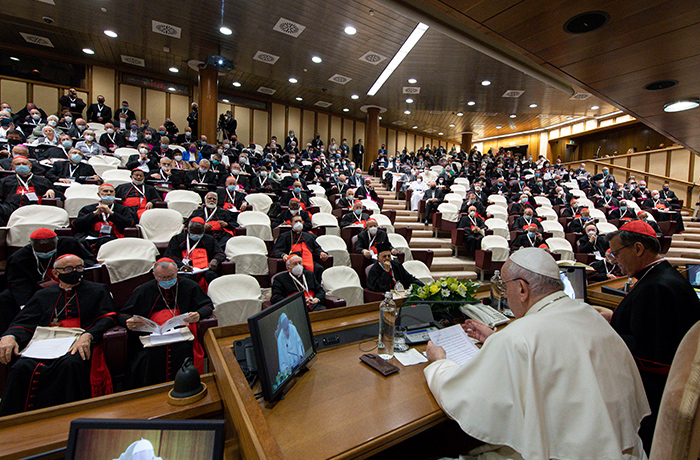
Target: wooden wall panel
pixel 46 97
pixel 360 133
pixel 277 116
pixel 103 83
pixel 293 123
pixel 306 133
pixel 638 162
pixel 243 119
pixel 619 139
pixel 383 140
pixel 322 124
pixel 680 164
pixel 155 107
pixel 261 133
pixel 14 93
pixel 336 130
pixel 179 110
pixel 348 131
pixel 391 145
pixel 131 94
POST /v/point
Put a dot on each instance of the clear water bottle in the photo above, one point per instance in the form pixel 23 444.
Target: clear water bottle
pixel 387 321
pixel 496 294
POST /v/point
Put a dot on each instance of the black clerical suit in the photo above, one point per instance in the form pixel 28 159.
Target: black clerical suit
pixel 285 218
pixel 95 230
pixel 96 111
pixel 35 384
pixel 363 192
pixel 379 280
pixel 369 242
pixel 116 139
pixel 67 170
pixel 353 219
pixel 283 286
pixel 600 245
pixel 152 365
pixel 263 185
pixel 603 268
pixel 525 241
pixel 652 320
pixel 196 175
pixel 626 214
pixel 135 161
pixel 285 245
pixel 75 104
pixel 177 251
pixel 137 197
pixel 473 233
pixel 302 196
pixel 212 218
pixel 8 186
pixel 230 200
pixel 521 222
pixel 431 206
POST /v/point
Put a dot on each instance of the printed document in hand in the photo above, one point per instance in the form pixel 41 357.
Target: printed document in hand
pixel 194 271
pixel 51 342
pixel 153 327
pixel 456 342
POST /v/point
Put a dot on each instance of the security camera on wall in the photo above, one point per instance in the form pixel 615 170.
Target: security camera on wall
pixel 219 61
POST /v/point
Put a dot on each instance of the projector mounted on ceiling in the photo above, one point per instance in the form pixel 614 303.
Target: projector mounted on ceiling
pixel 219 62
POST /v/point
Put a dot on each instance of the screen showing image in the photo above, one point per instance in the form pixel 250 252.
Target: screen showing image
pixel 694 274
pixel 574 279
pixel 284 334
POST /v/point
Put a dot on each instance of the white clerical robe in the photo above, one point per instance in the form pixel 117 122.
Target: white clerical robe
pixel 557 383
pixel 289 349
pixel 419 189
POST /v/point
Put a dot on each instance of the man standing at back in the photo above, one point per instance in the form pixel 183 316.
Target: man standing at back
pixel 556 383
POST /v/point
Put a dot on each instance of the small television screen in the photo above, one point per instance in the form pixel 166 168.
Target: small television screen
pixel 574 279
pixel 282 342
pixel 112 439
pixel 694 274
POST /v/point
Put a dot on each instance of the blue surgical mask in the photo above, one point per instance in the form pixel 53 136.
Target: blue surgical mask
pixel 196 237
pixel 167 284
pixel 22 169
pixel 107 199
pixel 76 158
pixel 358 212
pixel 45 255
pixel 67 144
pixel 295 175
pixel 232 188
pixel 162 133
pixel 297 189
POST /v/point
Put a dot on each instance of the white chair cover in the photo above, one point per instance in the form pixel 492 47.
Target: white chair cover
pixel 560 246
pixel 370 205
pixel 123 153
pixel 429 175
pixel 78 196
pixel 546 213
pixel 23 221
pixel 578 193
pixel 632 204
pixel 235 298
pixel 554 227
pixel 384 222
pixel 463 181
pixel 94 125
pixel 127 258
pixel 116 177
pixel 327 220
pixel 306 163
pixel 183 201
pixel 102 163
pixel 399 243
pixel 343 282
pixel 437 168
pixel 571 185
pixel 159 225
pixel 256 224
pixel 249 254
pixel 598 214
pixel 454 198
pixel 543 201
pixel 460 190
pixel 323 204
pixel 498 212
pixel 450 212
pixel 177 147
pixel 419 270
pixel 317 190
pixel 499 200
pixel 499 227
pixel 335 246
pixel 586 202
pixel 260 202
pixel 498 246
pixel 605 227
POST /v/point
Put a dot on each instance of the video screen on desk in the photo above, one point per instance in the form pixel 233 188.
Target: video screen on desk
pixel 100 439
pixel 694 274
pixel 282 342
pixel 574 279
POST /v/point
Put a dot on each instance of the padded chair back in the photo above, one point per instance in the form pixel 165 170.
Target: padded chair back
pixel 183 201
pixel 235 298
pixel 323 204
pixel 384 221
pixel 547 213
pixel 571 185
pixel 94 125
pixel 260 202
pixel 463 181
pixel 249 253
pixel 317 190
pixel 553 227
pixel 677 432
pixel 449 211
pixel 578 193
pixel 159 225
pixel 586 202
pixel 598 214
pixel 498 212
pixel 437 168
pixel 116 177
pixel 455 199
pixel 256 223
pixel 326 220
pixel 23 221
pixel 499 227
pixel 127 258
pixel 419 270
pixel 498 246
pixel 78 196
pixel 543 201
pixel 123 153
pixel 499 199
pixel 344 283
pixel 459 189
pixel 632 204
pixel 335 246
pixel 102 163
pixel 605 228
pixel 429 175
pixel 560 246
pixel 400 244
pixel 177 147
pixel 370 206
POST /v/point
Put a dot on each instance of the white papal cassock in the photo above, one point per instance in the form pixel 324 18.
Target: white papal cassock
pixel 557 383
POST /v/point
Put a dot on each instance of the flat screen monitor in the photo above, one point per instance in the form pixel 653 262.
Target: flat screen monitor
pixel 574 279
pixel 282 342
pixel 110 439
pixel 694 274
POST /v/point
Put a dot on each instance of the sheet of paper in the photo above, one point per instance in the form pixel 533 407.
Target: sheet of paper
pixel 176 335
pixel 48 348
pixel 151 326
pixel 410 357
pixel 193 272
pixel 456 342
pixel 174 322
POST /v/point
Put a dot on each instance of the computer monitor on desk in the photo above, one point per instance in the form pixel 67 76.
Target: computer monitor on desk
pixel 574 279
pixel 282 342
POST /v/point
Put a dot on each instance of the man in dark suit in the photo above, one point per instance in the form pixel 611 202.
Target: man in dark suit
pixel 75 104
pixel 201 175
pixel 433 197
pixel 298 193
pixel 358 152
pixel 530 239
pixel 33 187
pixel 99 113
pixel 302 244
pixel 130 115
pixel 387 274
pixel 218 222
pixel 195 249
pixel 285 217
pixel 366 191
pixel 111 140
pixel 669 196
pixel 73 170
pixel 297 279
pixel 370 238
pixel 592 243
pixel 526 220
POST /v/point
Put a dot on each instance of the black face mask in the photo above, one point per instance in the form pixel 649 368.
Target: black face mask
pixel 73 277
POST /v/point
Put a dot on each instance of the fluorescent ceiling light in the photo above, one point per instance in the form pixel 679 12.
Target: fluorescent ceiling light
pixel 452 125
pixel 317 59
pixel 299 99
pixel 293 80
pixel 407 112
pixel 172 89
pixel 440 133
pixel 594 107
pixel 460 114
pixel 471 103
pixel 354 96
pixel 225 30
pixel 236 84
pixel 350 30
pixel 174 69
pixel 513 116
pixel 499 126
pixel 415 127
pixel 409 101
pixel 14 58
pixel 88 51
pixel 412 81
pixel 399 57
pixel 679 106
pixel 485 83
pixel 225 100
pixel 532 106
pixel 111 33
pixel 346 109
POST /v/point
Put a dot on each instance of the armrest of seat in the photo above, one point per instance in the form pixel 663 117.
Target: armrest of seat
pixel 584 258
pixel 132 232
pixel 338 213
pixel 458 236
pixel 160 205
pixel 401 257
pixel 114 343
pixel 399 184
pixel 313 209
pixel 239 231
pixel 372 296
pixel 227 268
pixel 421 209
pixel 482 258
pixel 424 255
pixel 409 194
pixel 667 227
pixel 328 263
pixel 406 232
pixel 266 304
pixel 52 202
pixel 437 220
pixel 64 231
pixel 665 242
pixel 391 214
pixel 161 248
pixel 275 265
pixel 334 302
pixel 380 201
pixel 204 325
pixel 488 232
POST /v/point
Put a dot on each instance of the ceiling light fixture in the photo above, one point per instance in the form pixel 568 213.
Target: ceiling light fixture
pixel 569 118
pixel 412 81
pixel 317 59
pixel 354 96
pixel 407 112
pixel 293 80
pixel 532 106
pixel 236 84
pixel 594 107
pixel 222 100
pixel 485 83
pixel 586 22
pixel 679 106
pixel 299 98
pixel 471 103
pixel 415 127
pixel 499 126
pixel 12 58
pixel 346 109
pixel 452 125
pixel 380 118
pixel 350 30
pixel 174 69
pixel 225 30
pixel 409 101
pixel 172 89
pixel 660 84
pixel 440 133
pixel 88 51
pixel 460 114
pixel 400 55
pixel 513 116
pixel 111 33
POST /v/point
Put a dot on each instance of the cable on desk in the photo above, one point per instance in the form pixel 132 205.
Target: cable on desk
pixel 372 340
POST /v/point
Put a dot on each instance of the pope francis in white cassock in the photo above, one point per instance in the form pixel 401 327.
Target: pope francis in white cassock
pixel 290 348
pixel 419 186
pixel 557 383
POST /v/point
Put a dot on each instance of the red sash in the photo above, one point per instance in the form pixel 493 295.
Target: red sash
pixel 23 191
pixel 228 205
pixel 216 227
pixel 115 230
pixel 307 258
pixel 199 259
pixel 100 379
pixel 162 316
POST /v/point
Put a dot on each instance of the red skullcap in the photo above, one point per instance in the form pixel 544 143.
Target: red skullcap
pixel 165 259
pixel 640 213
pixel 66 255
pixel 105 185
pixel 357 202
pixel 42 234
pixel 640 227
pixel 21 156
pixel 198 220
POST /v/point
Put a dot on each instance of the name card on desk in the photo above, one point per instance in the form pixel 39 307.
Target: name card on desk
pixel 456 342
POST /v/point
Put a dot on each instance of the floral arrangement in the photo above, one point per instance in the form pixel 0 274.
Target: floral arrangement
pixel 445 290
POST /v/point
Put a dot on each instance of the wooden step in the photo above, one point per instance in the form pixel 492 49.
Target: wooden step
pixel 409 218
pixel 447 264
pixel 429 243
pixel 681 260
pixel 395 207
pixel 460 275
pixel 415 225
pixel 439 252
pixel 684 253
pixel 406 212
pixel 421 234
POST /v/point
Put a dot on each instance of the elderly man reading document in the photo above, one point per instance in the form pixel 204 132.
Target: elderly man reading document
pixel 556 383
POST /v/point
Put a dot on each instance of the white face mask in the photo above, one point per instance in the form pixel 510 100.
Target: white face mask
pixel 110 131
pixel 297 270
pixel 68 119
pixel 178 158
pixel 53 123
pixel 298 226
pixel 143 150
pixel 373 230
pixel 89 138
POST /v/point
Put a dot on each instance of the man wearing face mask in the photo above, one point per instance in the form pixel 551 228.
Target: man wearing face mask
pixel 82 371
pixel 298 279
pixel 194 249
pixel 294 176
pixel 111 140
pixel 624 213
pixel 520 206
pixel 607 203
pixel 166 296
pixel 388 274
pixel 186 137
pixel 296 192
pixel 285 217
pixel 291 138
pixel 142 160
pixel 77 128
pixel 58 152
pixel 99 112
pixel 74 170
pixel 370 238
pixel 356 217
pixel 346 202
pixel 89 146
pixel 524 221
pixel 262 183
pixel 532 238
pixel 315 174
pixel 580 221
pixel 664 210
pixel 136 194
pixel 433 197
pixel 301 243
pixel 356 179
pixel 592 243
pixel 163 178
pixel 218 222
pixel 33 187
pixel 103 221
pixel 474 227
pixel 231 197
pixel 32 265
pixel 124 109
pixel 201 175
pixel 73 102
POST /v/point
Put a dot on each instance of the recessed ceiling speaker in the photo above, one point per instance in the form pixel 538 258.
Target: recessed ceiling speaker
pixel 660 84
pixel 219 62
pixel 586 22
